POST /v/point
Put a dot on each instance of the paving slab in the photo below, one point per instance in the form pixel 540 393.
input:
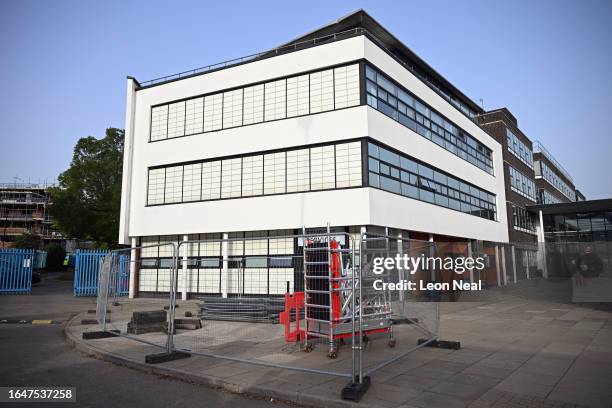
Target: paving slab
pixel 522 386
pixel 463 392
pixel 580 397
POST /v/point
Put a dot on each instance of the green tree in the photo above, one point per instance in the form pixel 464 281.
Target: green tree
pixel 55 256
pixel 26 241
pixel 86 202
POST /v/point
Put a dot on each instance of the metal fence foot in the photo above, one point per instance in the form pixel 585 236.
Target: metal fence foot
pixel 100 334
pixel 445 344
pixel 355 390
pixel 404 320
pixel 92 321
pixel 165 356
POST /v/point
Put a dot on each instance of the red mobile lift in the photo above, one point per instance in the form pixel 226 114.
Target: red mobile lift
pixel 327 301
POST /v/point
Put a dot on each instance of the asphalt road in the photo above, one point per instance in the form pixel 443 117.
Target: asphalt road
pixel 37 355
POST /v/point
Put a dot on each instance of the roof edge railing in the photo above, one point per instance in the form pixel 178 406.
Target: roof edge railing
pixel 33 186
pixel 237 61
pixel 538 147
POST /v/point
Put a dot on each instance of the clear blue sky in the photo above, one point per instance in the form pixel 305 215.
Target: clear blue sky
pixel 64 65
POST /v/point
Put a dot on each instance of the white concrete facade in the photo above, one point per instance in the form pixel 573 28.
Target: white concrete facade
pixel 347 207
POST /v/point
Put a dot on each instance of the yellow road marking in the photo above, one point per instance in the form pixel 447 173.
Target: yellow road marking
pixel 42 321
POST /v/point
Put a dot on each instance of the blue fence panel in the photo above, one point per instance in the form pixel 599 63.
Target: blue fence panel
pixel 123 286
pixel 16 271
pixel 87 267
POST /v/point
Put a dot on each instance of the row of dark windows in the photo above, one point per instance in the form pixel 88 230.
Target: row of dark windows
pixel 216 262
pixel 578 222
pixel 403 175
pixel 404 107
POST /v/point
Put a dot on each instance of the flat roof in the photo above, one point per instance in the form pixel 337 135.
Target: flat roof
pixel 574 207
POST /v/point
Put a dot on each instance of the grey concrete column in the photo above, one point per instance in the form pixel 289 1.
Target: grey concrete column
pixel 362 230
pixel 527 263
pixel 224 271
pixel 542 246
pixel 432 254
pixel 186 252
pixel 133 269
pixel 469 249
pixel 503 260
pixel 513 263
pixel 400 272
pixel 497 270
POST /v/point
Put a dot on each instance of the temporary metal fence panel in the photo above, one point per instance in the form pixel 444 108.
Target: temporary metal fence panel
pixel 16 271
pixel 102 289
pixel 284 301
pixel 87 269
pixel 147 320
pixel 391 291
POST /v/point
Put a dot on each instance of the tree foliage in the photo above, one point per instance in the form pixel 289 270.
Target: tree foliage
pixel 55 256
pixel 86 203
pixel 26 241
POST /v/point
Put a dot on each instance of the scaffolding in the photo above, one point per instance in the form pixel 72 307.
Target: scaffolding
pixel 24 209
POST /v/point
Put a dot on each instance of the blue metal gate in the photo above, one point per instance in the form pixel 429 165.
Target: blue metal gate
pixel 120 280
pixel 16 271
pixel 87 267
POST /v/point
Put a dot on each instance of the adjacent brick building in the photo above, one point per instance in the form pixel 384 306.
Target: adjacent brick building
pixel 519 176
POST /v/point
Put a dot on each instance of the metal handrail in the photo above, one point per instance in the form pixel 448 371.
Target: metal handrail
pixel 33 186
pixel 539 148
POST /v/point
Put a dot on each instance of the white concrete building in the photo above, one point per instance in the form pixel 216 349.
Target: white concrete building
pixel 343 126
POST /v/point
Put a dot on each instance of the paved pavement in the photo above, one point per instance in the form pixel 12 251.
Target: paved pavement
pixel 38 355
pixel 521 347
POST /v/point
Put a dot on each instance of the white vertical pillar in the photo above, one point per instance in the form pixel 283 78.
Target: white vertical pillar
pixel 224 271
pixel 432 254
pixel 497 265
pixel 469 249
pixel 186 252
pixel 362 230
pixel 400 271
pixel 527 263
pixel 513 263
pixel 133 263
pixel 503 259
pixel 387 239
pixel 128 154
pixel 406 241
pixel 542 244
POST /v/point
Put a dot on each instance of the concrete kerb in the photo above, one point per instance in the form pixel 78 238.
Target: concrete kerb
pixel 257 391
